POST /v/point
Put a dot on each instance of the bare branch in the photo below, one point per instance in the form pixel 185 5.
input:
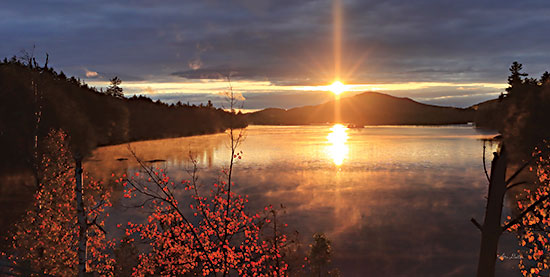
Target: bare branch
pixel 484 163
pixel 139 205
pixel 515 184
pixel 98 205
pixel 94 223
pixel 524 213
pixel 474 221
pixel 518 171
pixel 169 199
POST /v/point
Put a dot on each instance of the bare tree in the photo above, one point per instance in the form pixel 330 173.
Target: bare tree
pixel 235 140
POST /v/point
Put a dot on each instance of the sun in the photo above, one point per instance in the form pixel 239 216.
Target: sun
pixel 337 87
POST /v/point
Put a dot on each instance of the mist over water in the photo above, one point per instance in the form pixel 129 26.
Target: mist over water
pixel 394 200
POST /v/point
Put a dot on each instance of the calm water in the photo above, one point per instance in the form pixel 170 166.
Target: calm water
pixel 395 201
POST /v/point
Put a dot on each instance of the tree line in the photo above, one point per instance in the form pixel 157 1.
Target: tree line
pixel 50 122
pixel 520 114
pixel 35 99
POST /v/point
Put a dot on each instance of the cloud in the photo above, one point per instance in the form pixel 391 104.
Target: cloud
pixel 284 41
pixel 239 96
pixel 221 72
pixel 201 74
pixel 149 91
pixel 226 95
pixel 195 64
pixel 91 74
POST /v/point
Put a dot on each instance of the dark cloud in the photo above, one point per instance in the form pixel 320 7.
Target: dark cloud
pixel 217 73
pixel 252 100
pixel 285 42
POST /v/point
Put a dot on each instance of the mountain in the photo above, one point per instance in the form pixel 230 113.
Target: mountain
pixel 368 108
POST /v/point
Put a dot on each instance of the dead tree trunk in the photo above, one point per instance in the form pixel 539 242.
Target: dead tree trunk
pixel 491 228
pixel 81 215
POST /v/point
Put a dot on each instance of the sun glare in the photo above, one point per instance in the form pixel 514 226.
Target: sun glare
pixel 337 148
pixel 337 87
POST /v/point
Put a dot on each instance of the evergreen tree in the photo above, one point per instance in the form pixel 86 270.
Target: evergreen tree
pixel 515 77
pixel 545 78
pixel 114 89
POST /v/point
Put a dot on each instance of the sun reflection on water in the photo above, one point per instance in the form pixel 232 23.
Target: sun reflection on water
pixel 338 149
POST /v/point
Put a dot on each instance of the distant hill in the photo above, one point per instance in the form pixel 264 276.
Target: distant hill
pixel 368 108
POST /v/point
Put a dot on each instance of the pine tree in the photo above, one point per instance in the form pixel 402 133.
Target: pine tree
pixel 114 89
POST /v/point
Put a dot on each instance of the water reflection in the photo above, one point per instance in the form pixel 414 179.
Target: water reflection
pixel 338 149
pixel 403 195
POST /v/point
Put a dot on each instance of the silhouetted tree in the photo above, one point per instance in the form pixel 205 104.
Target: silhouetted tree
pixel 516 75
pixel 545 78
pixel 114 89
pixel 89 117
pixel 320 255
pixel 521 116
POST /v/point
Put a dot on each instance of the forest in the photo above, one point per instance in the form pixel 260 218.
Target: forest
pixel 519 173
pixel 520 114
pixel 50 123
pixel 35 99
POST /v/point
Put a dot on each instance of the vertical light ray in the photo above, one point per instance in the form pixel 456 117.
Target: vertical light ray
pixel 337 45
pixel 337 37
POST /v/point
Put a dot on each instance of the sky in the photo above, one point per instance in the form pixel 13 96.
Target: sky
pixel 282 53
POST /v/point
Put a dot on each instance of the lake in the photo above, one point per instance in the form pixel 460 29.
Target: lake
pixel 394 200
